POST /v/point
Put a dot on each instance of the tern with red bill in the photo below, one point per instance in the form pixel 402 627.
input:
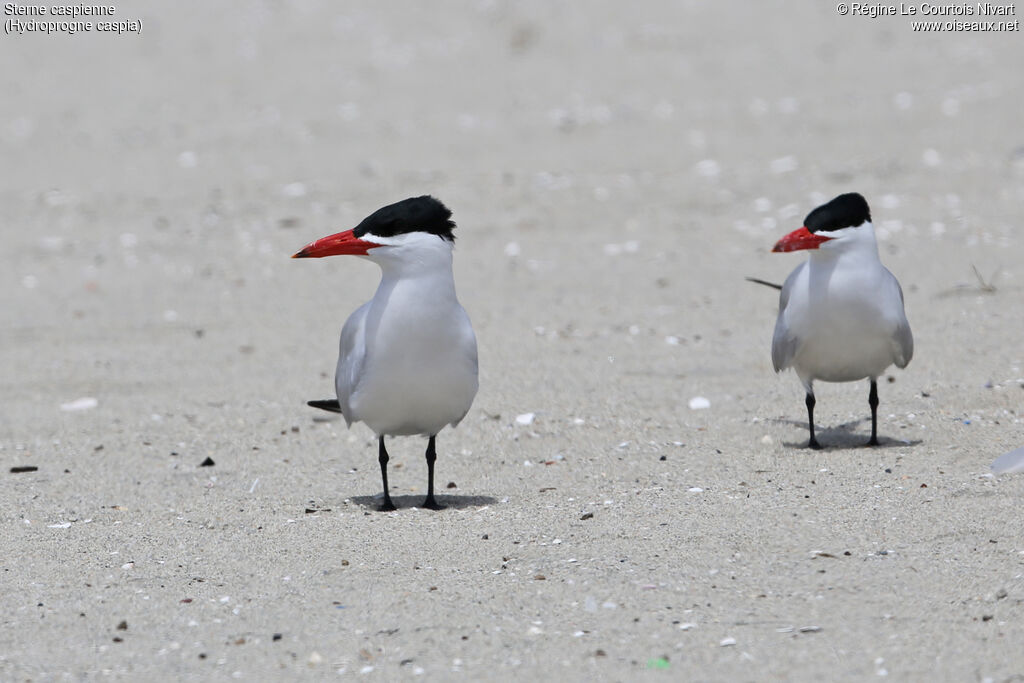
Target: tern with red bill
pixel 841 315
pixel 407 363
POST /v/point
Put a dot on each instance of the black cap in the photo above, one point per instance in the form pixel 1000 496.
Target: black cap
pixel 416 214
pixel 845 211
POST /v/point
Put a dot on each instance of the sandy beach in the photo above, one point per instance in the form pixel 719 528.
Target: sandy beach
pixel 615 172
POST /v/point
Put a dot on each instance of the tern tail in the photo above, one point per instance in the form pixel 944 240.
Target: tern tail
pixel 330 404
pixel 764 282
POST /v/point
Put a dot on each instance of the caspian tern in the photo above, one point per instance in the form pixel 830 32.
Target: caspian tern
pixel 841 315
pixel 1009 463
pixel 407 363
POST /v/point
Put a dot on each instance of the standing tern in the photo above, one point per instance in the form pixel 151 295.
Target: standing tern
pixel 841 315
pixel 407 363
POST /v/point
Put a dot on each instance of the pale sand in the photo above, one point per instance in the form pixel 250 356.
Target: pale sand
pixel 615 175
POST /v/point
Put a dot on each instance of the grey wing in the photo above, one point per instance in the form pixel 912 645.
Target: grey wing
pixel 351 353
pixel 1009 463
pixel 904 337
pixel 784 341
pixel 468 344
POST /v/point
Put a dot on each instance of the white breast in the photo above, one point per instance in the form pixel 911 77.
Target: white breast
pixel 411 365
pixel 842 321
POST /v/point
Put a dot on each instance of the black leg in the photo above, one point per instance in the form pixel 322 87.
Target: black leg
pixel 430 503
pixel 813 443
pixel 387 506
pixel 873 402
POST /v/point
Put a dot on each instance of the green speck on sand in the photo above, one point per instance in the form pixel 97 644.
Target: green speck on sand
pixel 658 663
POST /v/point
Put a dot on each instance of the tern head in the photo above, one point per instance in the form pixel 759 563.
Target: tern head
pixel 844 220
pixel 410 224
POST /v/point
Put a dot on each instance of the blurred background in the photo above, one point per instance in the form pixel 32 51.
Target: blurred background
pixel 626 164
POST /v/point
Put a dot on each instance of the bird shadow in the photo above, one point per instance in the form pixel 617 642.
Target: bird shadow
pixel 846 435
pixel 456 502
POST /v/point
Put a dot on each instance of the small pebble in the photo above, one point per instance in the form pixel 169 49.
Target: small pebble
pixel 709 168
pixel 784 165
pixel 294 190
pixel 84 403
pixel 699 403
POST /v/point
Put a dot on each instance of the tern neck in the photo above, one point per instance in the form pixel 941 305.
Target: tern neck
pixel 420 263
pixel 859 244
pixel 425 270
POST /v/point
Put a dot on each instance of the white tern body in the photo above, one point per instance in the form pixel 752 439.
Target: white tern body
pixel 841 316
pixel 407 361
